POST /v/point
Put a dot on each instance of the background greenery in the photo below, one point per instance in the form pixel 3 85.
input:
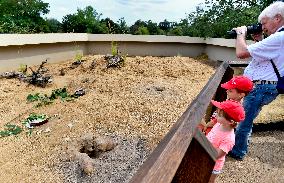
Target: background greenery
pixel 211 19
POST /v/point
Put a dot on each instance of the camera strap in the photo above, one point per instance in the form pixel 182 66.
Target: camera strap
pixel 282 29
pixel 273 64
pixel 275 69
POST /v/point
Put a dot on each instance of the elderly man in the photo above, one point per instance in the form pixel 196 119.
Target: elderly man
pixel 260 70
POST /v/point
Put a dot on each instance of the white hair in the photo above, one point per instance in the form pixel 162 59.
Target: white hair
pixel 272 10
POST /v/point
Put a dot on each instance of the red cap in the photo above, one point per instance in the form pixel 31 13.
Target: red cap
pixel 234 109
pixel 239 82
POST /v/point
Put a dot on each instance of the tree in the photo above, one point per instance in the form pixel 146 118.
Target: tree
pixel 144 28
pixel 142 31
pixel 22 16
pixel 217 17
pixel 123 26
pixel 153 28
pixel 84 21
pixel 53 25
pixel 113 28
pixel 184 27
pixel 177 31
pixel 134 28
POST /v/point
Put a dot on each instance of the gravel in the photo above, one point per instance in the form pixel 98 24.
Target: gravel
pixel 136 105
pixel 117 165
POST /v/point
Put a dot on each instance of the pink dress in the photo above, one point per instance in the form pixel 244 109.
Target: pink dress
pixel 224 140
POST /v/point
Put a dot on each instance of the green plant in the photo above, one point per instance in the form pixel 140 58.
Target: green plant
pixel 114 48
pixel 10 129
pixel 202 56
pixel 23 68
pixel 35 97
pixel 44 100
pixel 78 56
pixel 63 94
pixel 179 54
pixel 115 59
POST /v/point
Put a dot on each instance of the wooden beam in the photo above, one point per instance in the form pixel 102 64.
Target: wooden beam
pixel 167 159
pixel 221 93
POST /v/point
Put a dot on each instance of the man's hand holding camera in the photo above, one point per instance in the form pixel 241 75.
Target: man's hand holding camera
pixel 241 31
pixel 245 30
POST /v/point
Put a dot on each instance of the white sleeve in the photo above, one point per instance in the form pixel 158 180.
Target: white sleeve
pixel 266 49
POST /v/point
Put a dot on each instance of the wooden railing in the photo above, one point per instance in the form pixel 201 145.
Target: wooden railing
pixel 185 154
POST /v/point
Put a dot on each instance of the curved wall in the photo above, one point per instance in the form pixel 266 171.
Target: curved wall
pixel 30 49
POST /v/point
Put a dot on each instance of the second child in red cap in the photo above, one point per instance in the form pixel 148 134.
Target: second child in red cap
pixel 237 88
pixel 222 135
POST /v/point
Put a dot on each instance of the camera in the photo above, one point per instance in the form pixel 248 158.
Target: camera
pixel 251 29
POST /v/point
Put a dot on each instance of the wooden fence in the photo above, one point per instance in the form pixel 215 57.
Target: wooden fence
pixel 185 154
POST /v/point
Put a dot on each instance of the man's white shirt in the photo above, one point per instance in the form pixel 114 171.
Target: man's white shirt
pixel 260 68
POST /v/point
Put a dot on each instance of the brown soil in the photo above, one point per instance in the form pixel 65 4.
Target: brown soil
pixel 135 105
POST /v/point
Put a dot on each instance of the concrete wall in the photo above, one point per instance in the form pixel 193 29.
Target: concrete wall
pixel 13 56
pixel 154 45
pixel 16 49
pixel 144 48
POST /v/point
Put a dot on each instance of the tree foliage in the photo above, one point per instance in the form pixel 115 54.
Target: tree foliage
pixel 22 16
pixel 84 21
pixel 123 26
pixel 146 27
pixel 53 26
pixel 115 28
pixel 216 17
pixel 213 18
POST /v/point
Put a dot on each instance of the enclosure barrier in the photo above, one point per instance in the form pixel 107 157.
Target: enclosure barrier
pixel 185 154
pixel 32 49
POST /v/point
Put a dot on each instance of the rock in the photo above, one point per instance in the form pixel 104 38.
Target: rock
pixel 86 163
pixel 87 143
pixel 61 72
pixel 104 143
pixel 67 139
pixel 39 132
pixel 70 125
pixel 158 88
pixel 80 92
pixel 93 65
pixel 47 130
pixel 72 152
pixel 85 80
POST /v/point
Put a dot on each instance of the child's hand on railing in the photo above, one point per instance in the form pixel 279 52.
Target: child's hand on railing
pixel 204 129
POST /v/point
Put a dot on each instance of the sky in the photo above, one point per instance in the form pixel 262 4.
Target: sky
pixel 131 10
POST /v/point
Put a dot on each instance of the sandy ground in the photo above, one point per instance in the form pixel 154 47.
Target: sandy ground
pixel 135 106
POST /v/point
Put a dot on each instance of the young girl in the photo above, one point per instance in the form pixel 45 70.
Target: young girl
pixel 222 135
pixel 237 88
